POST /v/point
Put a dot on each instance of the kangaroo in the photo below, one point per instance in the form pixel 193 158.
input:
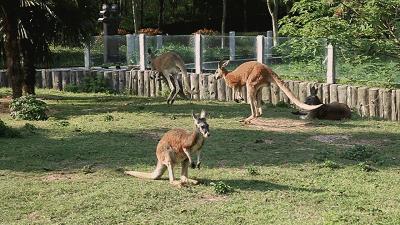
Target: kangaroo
pixel 330 111
pixel 169 64
pixel 255 76
pixel 177 146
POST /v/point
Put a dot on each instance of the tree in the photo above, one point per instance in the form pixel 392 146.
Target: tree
pixel 29 26
pixel 273 11
pixel 161 13
pixel 135 15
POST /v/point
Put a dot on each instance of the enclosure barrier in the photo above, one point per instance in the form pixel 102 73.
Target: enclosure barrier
pixel 367 102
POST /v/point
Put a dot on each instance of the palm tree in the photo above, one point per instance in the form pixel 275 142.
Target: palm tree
pixel 30 26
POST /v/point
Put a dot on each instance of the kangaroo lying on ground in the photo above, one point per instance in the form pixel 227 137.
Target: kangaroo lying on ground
pixel 331 111
pixel 169 64
pixel 177 146
pixel 255 76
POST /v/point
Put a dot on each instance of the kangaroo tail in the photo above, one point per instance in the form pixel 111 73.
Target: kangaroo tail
pixel 156 174
pixel 290 94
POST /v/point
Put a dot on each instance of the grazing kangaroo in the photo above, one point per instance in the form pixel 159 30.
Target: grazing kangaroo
pixel 254 75
pixel 169 64
pixel 330 111
pixel 177 146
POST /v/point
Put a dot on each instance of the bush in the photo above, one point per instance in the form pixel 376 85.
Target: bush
pixel 252 170
pixel 330 164
pixel 221 188
pixel 28 108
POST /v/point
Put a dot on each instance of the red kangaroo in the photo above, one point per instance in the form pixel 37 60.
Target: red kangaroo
pixel 255 76
pixel 176 146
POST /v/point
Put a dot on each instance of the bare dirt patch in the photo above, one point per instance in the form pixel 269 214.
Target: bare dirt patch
pixel 280 124
pixel 347 140
pixel 59 176
pixel 33 216
pixel 213 198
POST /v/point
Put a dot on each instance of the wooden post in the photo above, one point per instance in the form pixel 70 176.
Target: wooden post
pixel 266 93
pixel 158 84
pixel 362 101
pixel 115 80
pixel 354 96
pixel 394 107
pixel 108 78
pixel 198 53
pixel 142 51
pixel 147 83
pixel 387 100
pixel 57 80
pixel 296 85
pixel 194 81
pixel 121 81
pixel 282 96
pixel 274 93
pixel 141 83
pixel 203 86
pixel 330 66
pixel 325 93
pixel 221 90
pixel 333 93
pixel 228 92
pixel 260 48
pixel 134 77
pixel 342 93
pixel 66 78
pixel 152 80
pixel 348 93
pixel 320 92
pixel 373 102
pixel 303 91
pixel 212 87
pixel 232 45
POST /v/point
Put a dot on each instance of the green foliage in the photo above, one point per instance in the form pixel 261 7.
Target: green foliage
pixel 252 170
pixel 357 153
pixel 221 188
pixel 108 118
pixel 91 84
pixel 7 132
pixel 28 108
pixel 330 164
pixel 366 167
pixel 186 52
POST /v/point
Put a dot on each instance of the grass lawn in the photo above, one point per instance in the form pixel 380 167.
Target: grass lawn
pixel 68 169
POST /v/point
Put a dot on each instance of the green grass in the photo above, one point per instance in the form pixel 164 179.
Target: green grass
pixel 67 170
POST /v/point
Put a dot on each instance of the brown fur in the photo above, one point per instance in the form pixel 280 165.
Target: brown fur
pixel 255 75
pixel 331 111
pixel 169 64
pixel 177 146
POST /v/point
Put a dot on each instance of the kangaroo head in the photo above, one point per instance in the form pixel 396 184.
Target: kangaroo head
pixel 221 69
pixel 313 98
pixel 201 123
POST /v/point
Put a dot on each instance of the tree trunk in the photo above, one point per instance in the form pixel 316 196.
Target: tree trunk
pixel 135 16
pixel 11 47
pixel 29 70
pixel 223 22
pixel 245 15
pixel 141 13
pixel 273 11
pixel 161 14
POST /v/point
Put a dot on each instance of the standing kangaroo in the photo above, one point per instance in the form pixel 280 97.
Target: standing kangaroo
pixel 169 64
pixel 255 76
pixel 330 111
pixel 177 146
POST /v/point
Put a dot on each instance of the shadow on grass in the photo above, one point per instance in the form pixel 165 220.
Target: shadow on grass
pixel 227 148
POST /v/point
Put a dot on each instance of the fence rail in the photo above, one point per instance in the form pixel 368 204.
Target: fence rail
pixel 367 102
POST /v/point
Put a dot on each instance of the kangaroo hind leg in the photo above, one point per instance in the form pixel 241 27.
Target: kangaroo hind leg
pixel 185 172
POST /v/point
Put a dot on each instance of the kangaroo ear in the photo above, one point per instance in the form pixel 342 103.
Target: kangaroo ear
pixel 194 116
pixel 225 64
pixel 313 90
pixel 203 114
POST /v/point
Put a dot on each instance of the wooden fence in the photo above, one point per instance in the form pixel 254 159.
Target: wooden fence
pixel 367 102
